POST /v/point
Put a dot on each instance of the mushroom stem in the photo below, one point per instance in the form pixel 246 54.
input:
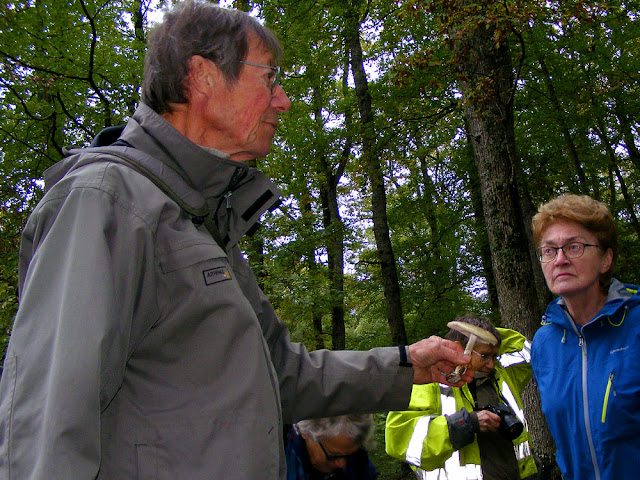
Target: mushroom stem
pixel 470 344
pixel 475 334
pixel 460 369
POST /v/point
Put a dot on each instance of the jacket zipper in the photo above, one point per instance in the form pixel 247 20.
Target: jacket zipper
pixel 238 175
pixel 585 401
pixel 606 397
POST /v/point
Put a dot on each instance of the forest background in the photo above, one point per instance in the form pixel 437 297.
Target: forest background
pixel 422 138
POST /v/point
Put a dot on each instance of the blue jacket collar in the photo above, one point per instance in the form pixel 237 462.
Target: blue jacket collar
pixel 619 293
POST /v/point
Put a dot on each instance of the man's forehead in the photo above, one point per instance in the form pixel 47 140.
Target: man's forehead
pixel 485 348
pixel 340 445
pixel 258 47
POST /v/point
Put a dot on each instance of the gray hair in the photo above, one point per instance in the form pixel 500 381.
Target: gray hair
pixel 195 27
pixel 481 322
pixel 358 427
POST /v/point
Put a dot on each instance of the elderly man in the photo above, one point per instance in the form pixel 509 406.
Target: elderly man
pixel 143 346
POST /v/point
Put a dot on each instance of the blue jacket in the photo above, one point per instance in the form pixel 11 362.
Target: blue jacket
pixel 589 384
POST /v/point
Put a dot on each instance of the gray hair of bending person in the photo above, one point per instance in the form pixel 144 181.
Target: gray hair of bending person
pixel 358 427
pixel 482 322
pixel 196 27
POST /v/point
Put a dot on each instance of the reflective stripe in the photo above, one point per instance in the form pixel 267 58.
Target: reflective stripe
pixel 452 470
pixel 421 430
pixel 511 400
pixel 414 449
pixel 524 355
pixel 447 401
pixel 523 450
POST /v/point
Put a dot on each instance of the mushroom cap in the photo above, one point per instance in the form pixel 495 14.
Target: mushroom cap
pixel 482 335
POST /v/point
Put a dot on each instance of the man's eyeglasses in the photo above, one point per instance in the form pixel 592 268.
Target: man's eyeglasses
pixel 276 72
pixel 333 458
pixel 547 254
pixel 487 356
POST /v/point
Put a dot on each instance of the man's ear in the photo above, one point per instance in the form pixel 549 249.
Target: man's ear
pixel 200 75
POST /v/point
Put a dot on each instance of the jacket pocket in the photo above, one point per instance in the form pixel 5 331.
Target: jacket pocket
pixel 7 389
pixel 607 393
pixel 188 256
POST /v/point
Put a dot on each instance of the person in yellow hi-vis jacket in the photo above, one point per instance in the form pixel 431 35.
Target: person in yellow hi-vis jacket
pixel 477 431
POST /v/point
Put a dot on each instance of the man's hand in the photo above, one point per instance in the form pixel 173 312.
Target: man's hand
pixel 434 357
pixel 488 421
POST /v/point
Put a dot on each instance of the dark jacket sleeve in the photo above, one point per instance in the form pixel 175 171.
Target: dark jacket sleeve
pixel 463 427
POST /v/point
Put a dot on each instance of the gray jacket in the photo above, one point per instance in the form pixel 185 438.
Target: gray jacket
pixel 142 349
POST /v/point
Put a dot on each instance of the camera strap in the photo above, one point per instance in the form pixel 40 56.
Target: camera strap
pixel 489 392
pixel 473 390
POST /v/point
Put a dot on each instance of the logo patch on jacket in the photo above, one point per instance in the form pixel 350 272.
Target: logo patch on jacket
pixel 216 275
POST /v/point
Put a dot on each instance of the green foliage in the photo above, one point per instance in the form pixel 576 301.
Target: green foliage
pixel 421 137
pixel 67 70
pixel 10 226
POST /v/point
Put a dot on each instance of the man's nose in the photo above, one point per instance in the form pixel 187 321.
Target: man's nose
pixel 280 100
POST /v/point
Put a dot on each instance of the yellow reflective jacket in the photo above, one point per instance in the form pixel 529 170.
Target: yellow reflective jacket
pixel 420 436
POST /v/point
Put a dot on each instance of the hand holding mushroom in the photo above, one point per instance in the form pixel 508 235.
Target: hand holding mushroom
pixel 476 335
pixel 434 357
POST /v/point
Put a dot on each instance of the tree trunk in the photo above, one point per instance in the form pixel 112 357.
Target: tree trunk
pixel 437 273
pixel 316 310
pixel 391 285
pixel 483 62
pixel 627 133
pixel 628 201
pixel 481 229
pixel 334 238
pixel 333 227
pixel 528 211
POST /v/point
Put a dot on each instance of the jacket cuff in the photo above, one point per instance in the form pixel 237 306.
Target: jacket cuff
pixel 405 361
pixel 463 427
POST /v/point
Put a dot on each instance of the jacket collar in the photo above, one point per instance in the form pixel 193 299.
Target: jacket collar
pixel 208 170
pixel 617 296
pixel 236 194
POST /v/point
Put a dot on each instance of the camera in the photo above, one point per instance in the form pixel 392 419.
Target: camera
pixel 510 426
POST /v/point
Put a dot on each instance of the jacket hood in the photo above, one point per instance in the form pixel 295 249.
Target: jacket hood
pixel 235 194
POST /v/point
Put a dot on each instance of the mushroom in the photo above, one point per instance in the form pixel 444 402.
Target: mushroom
pixel 475 334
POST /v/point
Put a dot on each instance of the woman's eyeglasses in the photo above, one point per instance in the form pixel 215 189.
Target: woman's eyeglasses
pixel 547 253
